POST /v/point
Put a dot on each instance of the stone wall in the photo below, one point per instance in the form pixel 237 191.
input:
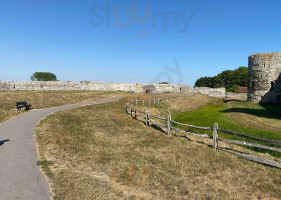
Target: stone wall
pixel 88 85
pixel 7 85
pixel 264 70
pixel 50 85
pixel 98 86
pixel 231 95
pixel 213 92
pixel 274 94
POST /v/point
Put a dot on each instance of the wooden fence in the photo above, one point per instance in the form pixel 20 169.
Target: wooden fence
pixel 157 100
pixel 147 117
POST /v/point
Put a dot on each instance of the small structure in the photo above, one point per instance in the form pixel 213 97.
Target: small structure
pixel 148 89
pixel 242 89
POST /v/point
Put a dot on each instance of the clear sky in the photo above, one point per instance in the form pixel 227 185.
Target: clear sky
pixel 134 41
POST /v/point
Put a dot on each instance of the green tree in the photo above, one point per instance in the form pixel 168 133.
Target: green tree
pixel 230 79
pixel 204 82
pixel 164 83
pixel 43 76
pixel 242 76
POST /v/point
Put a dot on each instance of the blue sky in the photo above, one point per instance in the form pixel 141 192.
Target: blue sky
pixel 82 39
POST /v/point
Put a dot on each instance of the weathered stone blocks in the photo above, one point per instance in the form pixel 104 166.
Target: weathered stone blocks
pixel 98 86
pixel 213 92
pixel 264 70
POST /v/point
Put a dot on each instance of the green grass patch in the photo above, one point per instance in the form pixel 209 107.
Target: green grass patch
pixel 218 112
pixel 259 110
pixel 46 166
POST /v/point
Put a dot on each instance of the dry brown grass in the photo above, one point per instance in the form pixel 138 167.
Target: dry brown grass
pixel 99 152
pixel 183 104
pixel 44 99
pixel 172 105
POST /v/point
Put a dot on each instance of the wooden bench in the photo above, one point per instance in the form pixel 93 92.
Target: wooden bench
pixel 23 104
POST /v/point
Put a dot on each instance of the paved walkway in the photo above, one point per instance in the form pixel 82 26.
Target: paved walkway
pixel 20 177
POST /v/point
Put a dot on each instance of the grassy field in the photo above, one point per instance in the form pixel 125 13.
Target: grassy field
pixel 44 99
pixel 238 116
pixel 99 152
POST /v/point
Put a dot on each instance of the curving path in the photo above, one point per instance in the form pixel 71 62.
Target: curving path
pixel 20 177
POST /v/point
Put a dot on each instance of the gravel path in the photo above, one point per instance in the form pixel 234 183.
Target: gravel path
pixel 20 177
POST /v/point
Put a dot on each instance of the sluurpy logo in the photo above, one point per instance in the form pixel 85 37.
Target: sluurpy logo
pixel 108 15
pixel 169 73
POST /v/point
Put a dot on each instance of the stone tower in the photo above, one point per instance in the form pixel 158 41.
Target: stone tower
pixel 264 77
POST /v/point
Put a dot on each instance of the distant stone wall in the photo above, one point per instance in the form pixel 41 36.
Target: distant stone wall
pixel 7 85
pixel 88 85
pixel 50 85
pixel 98 86
pixel 231 95
pixel 213 92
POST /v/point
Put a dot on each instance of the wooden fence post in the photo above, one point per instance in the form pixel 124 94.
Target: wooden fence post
pixel 158 100
pixel 143 102
pixel 135 113
pixel 126 109
pixel 131 111
pixel 147 118
pixel 149 103
pixel 136 102
pixel 169 117
pixel 215 135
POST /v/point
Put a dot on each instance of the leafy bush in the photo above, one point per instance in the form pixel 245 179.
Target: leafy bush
pixel 43 76
pixel 230 79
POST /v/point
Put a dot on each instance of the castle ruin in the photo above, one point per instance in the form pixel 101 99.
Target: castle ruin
pixel 264 79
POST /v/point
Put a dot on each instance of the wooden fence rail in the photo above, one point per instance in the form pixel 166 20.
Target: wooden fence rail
pixel 143 117
pixel 192 126
pixel 157 117
pixel 133 111
pixel 277 142
pixel 190 133
pixel 157 100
